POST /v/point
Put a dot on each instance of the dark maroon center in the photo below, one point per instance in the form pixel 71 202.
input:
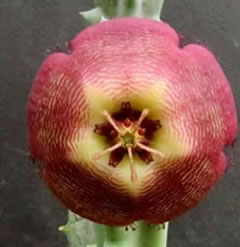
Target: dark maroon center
pixel 133 133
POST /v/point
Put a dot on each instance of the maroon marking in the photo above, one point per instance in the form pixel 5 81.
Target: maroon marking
pixel 127 122
pixel 126 111
pixel 151 126
pixel 142 132
pixel 113 133
pixel 116 156
pixel 144 156
pixel 104 129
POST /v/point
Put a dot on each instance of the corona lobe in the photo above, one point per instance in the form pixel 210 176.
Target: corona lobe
pixel 130 126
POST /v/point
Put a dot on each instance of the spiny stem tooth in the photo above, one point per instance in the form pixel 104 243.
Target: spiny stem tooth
pixel 111 121
pixel 143 115
pixel 93 15
pixel 132 168
pixel 150 150
pixel 108 150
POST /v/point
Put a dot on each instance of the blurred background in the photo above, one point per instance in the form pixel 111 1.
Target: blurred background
pixel 29 31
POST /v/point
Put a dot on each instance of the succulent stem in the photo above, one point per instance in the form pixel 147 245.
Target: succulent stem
pixel 107 9
pixel 79 232
pixel 152 236
pixel 92 15
pixel 117 237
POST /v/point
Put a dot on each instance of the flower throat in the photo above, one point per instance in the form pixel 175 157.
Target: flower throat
pixel 128 132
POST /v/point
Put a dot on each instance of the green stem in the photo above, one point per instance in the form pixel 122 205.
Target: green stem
pixel 143 236
pixel 83 233
pixel 80 232
pixel 117 237
pixel 152 236
pixel 99 234
pixel 107 9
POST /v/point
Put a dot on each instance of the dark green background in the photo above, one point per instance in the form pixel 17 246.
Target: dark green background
pixel 29 29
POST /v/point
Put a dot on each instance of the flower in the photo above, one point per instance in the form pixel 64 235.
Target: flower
pixel 130 126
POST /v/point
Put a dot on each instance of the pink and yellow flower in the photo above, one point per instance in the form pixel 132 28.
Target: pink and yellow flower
pixel 130 126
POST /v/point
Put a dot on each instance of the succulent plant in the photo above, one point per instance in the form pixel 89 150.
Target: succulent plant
pixel 131 126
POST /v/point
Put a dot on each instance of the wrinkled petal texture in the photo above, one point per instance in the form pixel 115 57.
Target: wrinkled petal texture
pixel 139 61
